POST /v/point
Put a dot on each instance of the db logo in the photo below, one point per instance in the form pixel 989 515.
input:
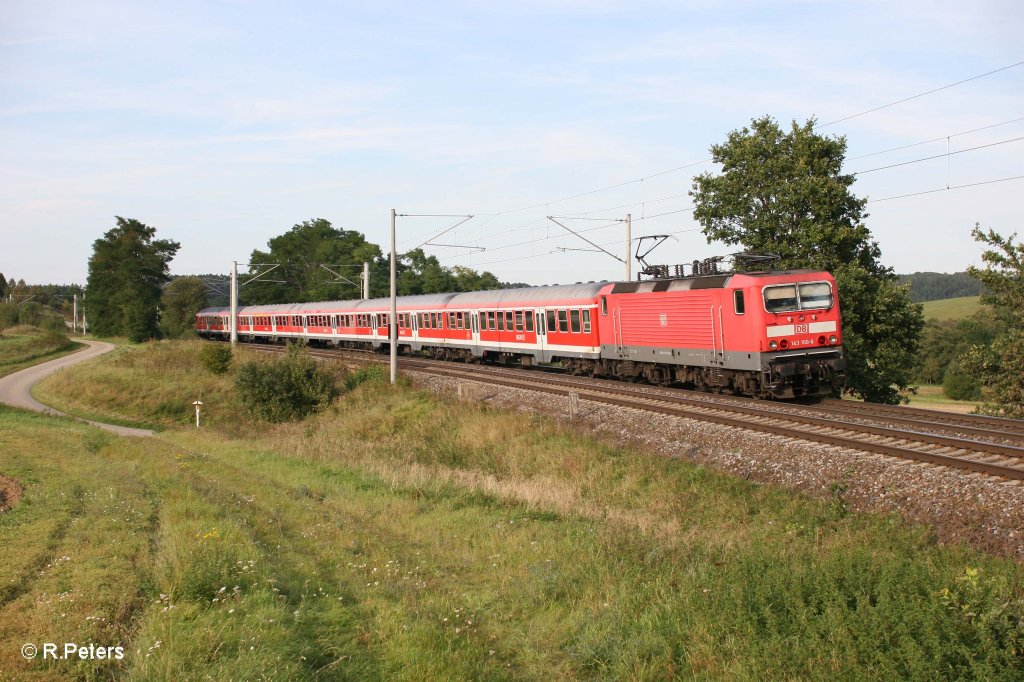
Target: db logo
pixel 801 329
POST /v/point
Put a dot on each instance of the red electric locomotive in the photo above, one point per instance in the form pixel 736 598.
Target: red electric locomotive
pixel 765 334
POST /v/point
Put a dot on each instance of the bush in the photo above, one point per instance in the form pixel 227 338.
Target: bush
pixel 372 373
pixel 960 384
pixel 216 358
pixel 285 388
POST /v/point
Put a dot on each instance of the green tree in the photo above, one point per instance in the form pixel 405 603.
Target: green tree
pixel 304 253
pixel 301 254
pixel 127 269
pixel 468 279
pixel 785 193
pixel 3 287
pixel 179 303
pixel 943 341
pixel 1001 365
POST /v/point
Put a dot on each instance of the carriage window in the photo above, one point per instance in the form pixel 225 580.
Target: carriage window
pixel 508 320
pixel 460 321
pixel 501 321
pixel 586 321
pixel 604 305
pixel 552 327
pixel 563 321
pixel 574 319
pixel 815 295
pixel 738 303
pixel 489 323
pixel 519 320
pixel 529 320
pixel 780 299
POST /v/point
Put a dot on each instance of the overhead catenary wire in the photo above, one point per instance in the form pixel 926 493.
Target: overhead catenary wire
pixel 946 189
pixel 548 203
pixel 703 161
pixel 922 94
pixel 935 139
pixel 582 215
pixel 939 156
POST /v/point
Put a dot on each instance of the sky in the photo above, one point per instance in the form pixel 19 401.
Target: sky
pixel 223 124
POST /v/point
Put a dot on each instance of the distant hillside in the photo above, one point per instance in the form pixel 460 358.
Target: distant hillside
pixel 952 308
pixel 936 286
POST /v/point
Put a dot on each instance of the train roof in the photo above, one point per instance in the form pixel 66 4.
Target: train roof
pixel 556 292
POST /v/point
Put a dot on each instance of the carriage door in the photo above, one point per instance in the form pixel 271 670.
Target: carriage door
pixel 373 325
pixel 540 319
pixel 476 328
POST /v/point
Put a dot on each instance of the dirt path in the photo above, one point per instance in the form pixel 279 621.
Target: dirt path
pixel 16 389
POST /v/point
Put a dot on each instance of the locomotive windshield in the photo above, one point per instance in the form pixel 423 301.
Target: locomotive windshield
pixel 789 297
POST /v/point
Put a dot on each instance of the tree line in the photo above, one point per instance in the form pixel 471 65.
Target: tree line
pixel 131 292
pixel 936 286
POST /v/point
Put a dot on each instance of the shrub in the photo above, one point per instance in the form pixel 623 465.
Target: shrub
pixel 373 373
pixel 285 388
pixel 960 384
pixel 216 358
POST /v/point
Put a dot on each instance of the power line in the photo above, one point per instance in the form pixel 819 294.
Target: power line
pixel 936 139
pixel 922 94
pixel 939 156
pixel 605 189
pixel 703 161
pixel 695 229
pixel 946 189
pixel 698 163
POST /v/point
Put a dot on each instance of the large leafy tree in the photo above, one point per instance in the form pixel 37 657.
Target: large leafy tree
pixel 127 269
pixel 181 300
pixel 1001 365
pixel 301 254
pixel 784 192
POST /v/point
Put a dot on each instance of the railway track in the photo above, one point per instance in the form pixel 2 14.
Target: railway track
pixel 993 447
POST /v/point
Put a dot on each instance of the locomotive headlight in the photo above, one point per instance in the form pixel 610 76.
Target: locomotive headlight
pixel 833 339
pixel 773 345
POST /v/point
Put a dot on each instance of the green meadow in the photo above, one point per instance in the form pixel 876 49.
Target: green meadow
pixel 952 308
pixel 400 535
pixel 24 346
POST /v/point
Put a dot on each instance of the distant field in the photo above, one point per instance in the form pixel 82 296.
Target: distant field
pixel 952 308
pixel 401 535
pixel 931 397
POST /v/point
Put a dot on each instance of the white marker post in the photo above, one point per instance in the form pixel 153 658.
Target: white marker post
pixel 198 404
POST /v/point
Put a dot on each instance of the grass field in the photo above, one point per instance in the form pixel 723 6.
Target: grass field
pixel 952 308
pixel 398 535
pixel 24 346
pixel 932 397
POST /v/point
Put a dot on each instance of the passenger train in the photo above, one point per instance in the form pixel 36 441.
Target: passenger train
pixel 774 334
